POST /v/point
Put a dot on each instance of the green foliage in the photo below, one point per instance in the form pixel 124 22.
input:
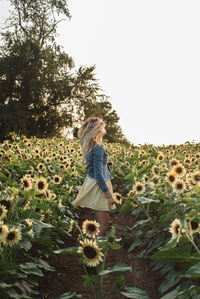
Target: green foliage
pixel 133 292
pixel 41 91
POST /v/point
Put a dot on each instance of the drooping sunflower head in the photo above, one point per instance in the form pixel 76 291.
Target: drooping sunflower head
pixel 178 186
pixel 3 230
pixel 91 252
pixel 90 228
pixel 175 228
pixel 41 185
pixel 12 237
pixel 72 225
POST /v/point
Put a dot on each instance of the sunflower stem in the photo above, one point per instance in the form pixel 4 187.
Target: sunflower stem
pixel 193 243
pixel 149 217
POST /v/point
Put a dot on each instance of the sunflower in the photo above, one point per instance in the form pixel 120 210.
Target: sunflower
pixel 139 188
pixel 29 223
pixel 3 230
pixel 117 198
pixel 171 177
pixel 193 226
pixel 41 184
pixel 90 228
pixel 26 183
pixel 174 162
pixel 156 170
pixel 145 179
pixel 160 157
pixel 175 228
pixel 72 224
pixel 178 186
pixel 41 167
pixel 196 177
pixel 6 203
pixel 91 252
pixel 57 179
pixel 12 237
pixel 179 169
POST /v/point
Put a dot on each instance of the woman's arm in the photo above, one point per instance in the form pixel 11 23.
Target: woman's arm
pixel 98 169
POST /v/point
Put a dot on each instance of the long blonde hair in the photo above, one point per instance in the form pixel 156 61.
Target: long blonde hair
pixel 91 132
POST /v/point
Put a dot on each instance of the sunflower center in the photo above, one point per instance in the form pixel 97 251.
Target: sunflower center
pixel 41 185
pixel 139 188
pixel 11 236
pixel 194 225
pixel 173 163
pixel 6 204
pixel 25 184
pixel 197 177
pixel 56 179
pixel 90 252
pixel 177 229
pixel 179 186
pixel 92 227
pixel 179 170
pixel 171 178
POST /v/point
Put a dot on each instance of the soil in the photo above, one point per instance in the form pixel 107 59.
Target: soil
pixel 68 275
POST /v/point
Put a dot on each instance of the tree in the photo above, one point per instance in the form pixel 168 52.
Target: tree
pixel 41 93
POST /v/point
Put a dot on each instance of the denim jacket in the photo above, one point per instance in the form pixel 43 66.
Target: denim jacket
pixel 96 163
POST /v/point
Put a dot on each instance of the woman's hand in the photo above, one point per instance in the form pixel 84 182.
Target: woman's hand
pixel 109 197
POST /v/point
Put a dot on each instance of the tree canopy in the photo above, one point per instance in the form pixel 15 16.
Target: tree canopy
pixel 42 93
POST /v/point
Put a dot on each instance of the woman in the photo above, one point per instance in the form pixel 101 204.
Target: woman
pixel 96 191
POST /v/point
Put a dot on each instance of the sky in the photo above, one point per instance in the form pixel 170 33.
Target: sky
pixel 147 61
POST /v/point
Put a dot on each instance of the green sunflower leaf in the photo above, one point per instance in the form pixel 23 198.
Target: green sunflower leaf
pixel 118 268
pixel 193 271
pixel 69 250
pixel 147 200
pixel 4 285
pixel 133 292
pixel 69 295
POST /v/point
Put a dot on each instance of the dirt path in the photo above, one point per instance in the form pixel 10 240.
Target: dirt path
pixel 68 274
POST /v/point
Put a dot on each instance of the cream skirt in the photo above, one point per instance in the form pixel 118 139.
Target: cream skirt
pixel 91 196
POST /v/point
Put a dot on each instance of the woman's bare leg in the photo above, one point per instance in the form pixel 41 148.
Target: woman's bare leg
pixel 103 218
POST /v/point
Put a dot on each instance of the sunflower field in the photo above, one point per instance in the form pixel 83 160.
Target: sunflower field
pixel 158 186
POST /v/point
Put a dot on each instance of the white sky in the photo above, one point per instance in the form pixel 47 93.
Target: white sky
pixel 147 57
